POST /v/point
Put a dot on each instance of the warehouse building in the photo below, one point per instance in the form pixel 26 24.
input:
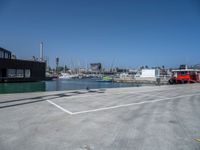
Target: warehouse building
pixel 17 70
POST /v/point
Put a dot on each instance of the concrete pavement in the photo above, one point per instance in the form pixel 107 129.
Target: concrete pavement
pixel 139 118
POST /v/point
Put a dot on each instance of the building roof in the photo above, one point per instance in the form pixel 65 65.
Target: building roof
pixel 182 70
pixel 5 50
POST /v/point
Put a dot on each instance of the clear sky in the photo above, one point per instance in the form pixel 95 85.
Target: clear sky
pixel 125 33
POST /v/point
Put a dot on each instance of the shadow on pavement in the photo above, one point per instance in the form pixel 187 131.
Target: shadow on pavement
pixel 45 97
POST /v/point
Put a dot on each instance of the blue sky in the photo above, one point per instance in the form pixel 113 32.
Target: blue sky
pixel 124 33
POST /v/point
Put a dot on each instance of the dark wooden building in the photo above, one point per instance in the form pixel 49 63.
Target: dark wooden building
pixel 16 70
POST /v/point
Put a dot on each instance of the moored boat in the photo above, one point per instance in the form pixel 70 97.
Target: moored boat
pixel 106 79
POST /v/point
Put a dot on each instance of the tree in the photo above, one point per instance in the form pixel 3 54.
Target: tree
pixel 60 68
pixel 66 68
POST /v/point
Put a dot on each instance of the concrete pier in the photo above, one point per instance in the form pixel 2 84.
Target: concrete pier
pixel 137 118
pixel 142 80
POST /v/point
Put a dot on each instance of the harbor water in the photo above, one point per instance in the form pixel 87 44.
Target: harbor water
pixel 59 85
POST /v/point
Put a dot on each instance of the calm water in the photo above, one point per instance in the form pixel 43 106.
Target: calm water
pixel 59 85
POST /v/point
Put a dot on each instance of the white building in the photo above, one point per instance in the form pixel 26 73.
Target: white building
pixel 150 73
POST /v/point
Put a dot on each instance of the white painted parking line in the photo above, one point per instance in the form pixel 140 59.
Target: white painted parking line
pixel 61 108
pixel 71 113
pixel 117 106
pixel 130 104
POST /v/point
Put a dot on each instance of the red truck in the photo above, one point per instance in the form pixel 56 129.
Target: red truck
pixel 184 75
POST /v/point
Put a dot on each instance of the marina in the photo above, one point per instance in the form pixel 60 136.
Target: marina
pixel 158 117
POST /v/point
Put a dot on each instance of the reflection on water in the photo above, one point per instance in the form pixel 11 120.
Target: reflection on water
pixel 59 85
pixel 22 87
